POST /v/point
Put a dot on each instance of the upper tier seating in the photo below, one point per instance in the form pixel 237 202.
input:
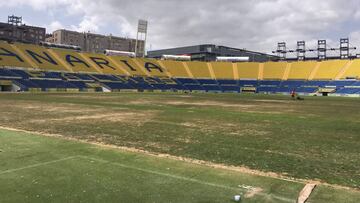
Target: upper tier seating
pixel 199 69
pixel 103 64
pixel 301 70
pixel 247 70
pixel 10 57
pixel 31 66
pixel 353 70
pixel 176 69
pixel 41 57
pixel 274 70
pixel 223 70
pixel 328 70
pixel 74 61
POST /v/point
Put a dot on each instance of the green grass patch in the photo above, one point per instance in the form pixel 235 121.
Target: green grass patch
pixel 315 139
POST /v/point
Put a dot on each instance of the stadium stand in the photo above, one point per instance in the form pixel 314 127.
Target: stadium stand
pixel 329 69
pixel 153 67
pixel 353 70
pixel 247 70
pixel 129 65
pixel 101 63
pixel 41 57
pixel 301 70
pixel 274 70
pixel 10 57
pixel 199 69
pixel 176 69
pixel 223 70
pixel 34 68
pixel 74 61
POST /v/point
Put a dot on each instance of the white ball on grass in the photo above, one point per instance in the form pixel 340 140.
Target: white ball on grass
pixel 237 198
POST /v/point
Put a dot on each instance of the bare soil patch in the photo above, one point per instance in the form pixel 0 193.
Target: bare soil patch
pixel 253 191
pixel 109 117
pixel 209 103
pixel 272 101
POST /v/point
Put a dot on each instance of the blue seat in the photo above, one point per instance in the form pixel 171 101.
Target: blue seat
pixel 21 73
pixel 267 89
pixel 25 84
pixel 285 89
pixel 207 82
pixel 212 88
pixel 252 83
pixel 187 81
pixel 227 82
pixel 348 91
pixel 177 87
pixel 341 83
pixel 293 83
pixel 117 85
pixel 307 89
pixel 228 88
pixel 78 84
pixel 195 87
pixel 8 73
pixel 52 84
pixel 316 83
pixel 269 83
pixel 105 77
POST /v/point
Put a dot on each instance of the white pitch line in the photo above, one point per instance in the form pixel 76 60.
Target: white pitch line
pixel 163 174
pixel 186 179
pixel 36 165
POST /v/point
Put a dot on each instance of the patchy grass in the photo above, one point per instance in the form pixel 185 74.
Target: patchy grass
pixel 316 139
pixel 43 169
pixel 35 168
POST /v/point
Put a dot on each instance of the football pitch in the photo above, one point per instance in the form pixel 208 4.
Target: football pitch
pixel 169 147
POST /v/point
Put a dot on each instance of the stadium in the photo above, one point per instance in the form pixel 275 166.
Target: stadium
pixel 36 68
pixel 79 126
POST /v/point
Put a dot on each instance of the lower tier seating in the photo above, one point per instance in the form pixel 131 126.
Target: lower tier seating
pixel 26 80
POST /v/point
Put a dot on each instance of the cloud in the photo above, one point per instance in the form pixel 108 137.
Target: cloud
pixel 35 4
pixel 55 25
pixel 256 25
pixel 88 24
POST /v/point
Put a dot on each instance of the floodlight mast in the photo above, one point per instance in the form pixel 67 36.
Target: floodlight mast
pixel 141 35
pixel 322 50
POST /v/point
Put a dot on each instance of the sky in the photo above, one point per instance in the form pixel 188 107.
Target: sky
pixel 256 25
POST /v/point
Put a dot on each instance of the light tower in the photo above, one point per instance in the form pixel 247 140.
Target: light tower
pixel 322 48
pixel 281 50
pixel 344 48
pixel 301 50
pixel 141 35
pixel 15 20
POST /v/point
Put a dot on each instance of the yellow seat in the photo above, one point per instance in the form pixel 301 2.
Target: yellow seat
pixel 248 70
pixel 199 69
pixel 153 67
pixel 301 70
pixel 328 70
pixel 223 70
pixel 176 68
pixel 103 64
pixel 41 57
pixel 130 65
pixel 353 71
pixel 75 61
pixel 274 70
pixel 10 57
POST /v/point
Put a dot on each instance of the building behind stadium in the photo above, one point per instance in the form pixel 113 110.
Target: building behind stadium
pixel 95 43
pixel 210 52
pixel 15 31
